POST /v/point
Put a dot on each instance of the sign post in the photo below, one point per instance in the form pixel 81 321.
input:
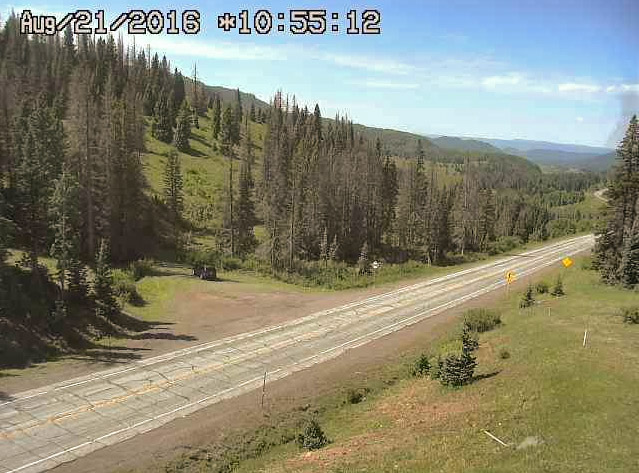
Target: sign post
pixel 511 277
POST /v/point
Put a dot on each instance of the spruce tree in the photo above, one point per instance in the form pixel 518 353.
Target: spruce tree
pixel 324 248
pixel 558 288
pixel 105 303
pixel 183 130
pixel 362 262
pixel 161 126
pixel 252 112
pixel 528 299
pixel 216 120
pixel 616 254
pixel 246 219
pixel 66 223
pixel 226 138
pixel 173 194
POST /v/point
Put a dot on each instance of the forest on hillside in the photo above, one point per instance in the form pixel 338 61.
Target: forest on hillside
pixel 306 195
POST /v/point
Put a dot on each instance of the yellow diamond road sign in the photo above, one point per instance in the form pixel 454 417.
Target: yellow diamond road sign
pixel 567 262
pixel 510 277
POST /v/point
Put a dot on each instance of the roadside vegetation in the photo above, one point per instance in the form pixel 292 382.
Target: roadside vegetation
pixel 557 404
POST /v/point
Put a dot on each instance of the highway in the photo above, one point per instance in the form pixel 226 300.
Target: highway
pixel 45 427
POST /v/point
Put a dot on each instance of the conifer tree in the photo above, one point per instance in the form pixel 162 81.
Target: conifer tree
pixel 179 93
pixel 226 138
pixel 252 112
pixel 324 248
pixel 558 288
pixel 362 262
pixel 106 305
pixel 616 254
pixel 216 120
pixel 183 130
pixel 528 298
pixel 161 126
pixel 246 219
pixel 173 194
pixel 65 215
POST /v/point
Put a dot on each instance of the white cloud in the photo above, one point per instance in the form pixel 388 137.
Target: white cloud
pixel 576 87
pixel 505 80
pixel 375 64
pixel 580 119
pixel 623 88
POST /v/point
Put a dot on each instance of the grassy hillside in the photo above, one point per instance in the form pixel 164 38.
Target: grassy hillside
pixel 204 169
pixel 558 406
pixel 464 144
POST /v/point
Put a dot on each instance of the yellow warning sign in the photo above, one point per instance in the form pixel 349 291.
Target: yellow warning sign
pixel 510 277
pixel 567 262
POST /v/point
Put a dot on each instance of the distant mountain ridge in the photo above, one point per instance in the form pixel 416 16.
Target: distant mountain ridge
pixel 404 144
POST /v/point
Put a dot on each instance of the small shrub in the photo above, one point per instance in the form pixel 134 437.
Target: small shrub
pixel 527 300
pixel 630 315
pixel 124 287
pixel 230 263
pixel 504 354
pixel 312 437
pixel 542 287
pixel 457 370
pixel 436 368
pixel 141 268
pixel 421 366
pixel 354 396
pixel 481 320
pixel 558 289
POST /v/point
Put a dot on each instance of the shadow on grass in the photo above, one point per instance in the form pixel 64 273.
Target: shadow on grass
pixel 485 376
pixel 195 153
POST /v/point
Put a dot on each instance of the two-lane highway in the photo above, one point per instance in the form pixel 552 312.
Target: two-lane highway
pixel 42 428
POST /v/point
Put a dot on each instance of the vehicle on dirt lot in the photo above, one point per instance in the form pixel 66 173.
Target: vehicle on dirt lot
pixel 205 272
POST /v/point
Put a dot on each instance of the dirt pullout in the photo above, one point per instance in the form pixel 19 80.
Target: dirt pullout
pixel 193 317
pixel 151 451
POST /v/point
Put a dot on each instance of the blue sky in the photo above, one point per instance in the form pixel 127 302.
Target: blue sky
pixel 549 70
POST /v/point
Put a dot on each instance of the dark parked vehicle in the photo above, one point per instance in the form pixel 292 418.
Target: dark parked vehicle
pixel 207 273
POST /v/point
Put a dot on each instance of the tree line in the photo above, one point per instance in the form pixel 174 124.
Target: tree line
pixel 73 113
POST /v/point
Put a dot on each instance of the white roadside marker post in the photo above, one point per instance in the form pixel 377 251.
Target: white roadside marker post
pixel 263 390
pixel 495 438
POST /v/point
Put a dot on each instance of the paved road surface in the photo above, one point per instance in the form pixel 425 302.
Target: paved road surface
pixel 42 428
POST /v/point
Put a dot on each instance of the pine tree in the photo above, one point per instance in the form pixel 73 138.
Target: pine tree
pixel 216 121
pixel 183 130
pixel 173 194
pixel 616 254
pixel 252 112
pixel 246 219
pixel 459 369
pixel 65 215
pixel 528 298
pixel 161 126
pixel 106 305
pixel 558 288
pixel 324 248
pixel 226 138
pixel 178 89
pixel 333 252
pixel 40 149
pixel 362 262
